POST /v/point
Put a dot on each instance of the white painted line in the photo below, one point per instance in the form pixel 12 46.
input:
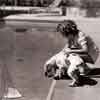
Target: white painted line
pixel 51 90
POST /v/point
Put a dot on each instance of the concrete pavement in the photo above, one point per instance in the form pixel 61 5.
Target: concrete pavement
pixel 31 44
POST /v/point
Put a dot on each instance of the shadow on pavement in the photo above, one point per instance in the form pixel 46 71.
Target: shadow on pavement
pixel 95 73
pixel 87 81
pixel 84 80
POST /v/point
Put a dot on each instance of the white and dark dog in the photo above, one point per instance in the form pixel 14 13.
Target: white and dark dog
pixel 62 63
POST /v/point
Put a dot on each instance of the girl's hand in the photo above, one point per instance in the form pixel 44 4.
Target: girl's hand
pixel 67 50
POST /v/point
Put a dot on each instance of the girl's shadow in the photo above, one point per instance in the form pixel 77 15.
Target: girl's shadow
pixel 84 80
pixel 87 79
pixel 94 73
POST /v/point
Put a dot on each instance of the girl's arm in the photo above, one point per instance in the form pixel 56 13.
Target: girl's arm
pixel 82 50
pixel 82 42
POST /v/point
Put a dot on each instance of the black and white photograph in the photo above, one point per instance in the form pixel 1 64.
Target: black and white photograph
pixel 49 49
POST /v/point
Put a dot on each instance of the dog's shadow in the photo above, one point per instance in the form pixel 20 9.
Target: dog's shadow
pixel 87 79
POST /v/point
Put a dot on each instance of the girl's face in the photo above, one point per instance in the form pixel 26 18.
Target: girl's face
pixel 70 37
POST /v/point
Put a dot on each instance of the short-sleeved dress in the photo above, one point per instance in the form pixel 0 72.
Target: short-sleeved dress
pixel 79 41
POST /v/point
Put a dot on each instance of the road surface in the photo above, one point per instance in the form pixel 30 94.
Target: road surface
pixel 25 51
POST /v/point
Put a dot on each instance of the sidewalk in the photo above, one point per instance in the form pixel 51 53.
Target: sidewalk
pixel 46 17
pixel 45 20
pixel 87 92
pixel 18 8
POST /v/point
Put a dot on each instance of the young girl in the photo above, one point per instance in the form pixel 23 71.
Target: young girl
pixel 76 45
pixel 75 51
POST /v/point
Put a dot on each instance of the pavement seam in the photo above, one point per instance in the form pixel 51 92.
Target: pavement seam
pixel 51 90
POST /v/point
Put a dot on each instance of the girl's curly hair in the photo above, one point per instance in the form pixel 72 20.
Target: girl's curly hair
pixel 67 27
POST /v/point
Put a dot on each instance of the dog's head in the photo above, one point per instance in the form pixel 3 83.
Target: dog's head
pixel 50 70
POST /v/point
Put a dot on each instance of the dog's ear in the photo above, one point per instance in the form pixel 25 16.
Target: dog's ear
pixel 47 70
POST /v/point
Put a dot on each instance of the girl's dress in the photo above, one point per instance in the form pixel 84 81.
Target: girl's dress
pixel 81 40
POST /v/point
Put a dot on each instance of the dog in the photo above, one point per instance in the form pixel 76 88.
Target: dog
pixel 56 65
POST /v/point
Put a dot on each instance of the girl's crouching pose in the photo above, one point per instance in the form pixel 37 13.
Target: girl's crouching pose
pixel 74 55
